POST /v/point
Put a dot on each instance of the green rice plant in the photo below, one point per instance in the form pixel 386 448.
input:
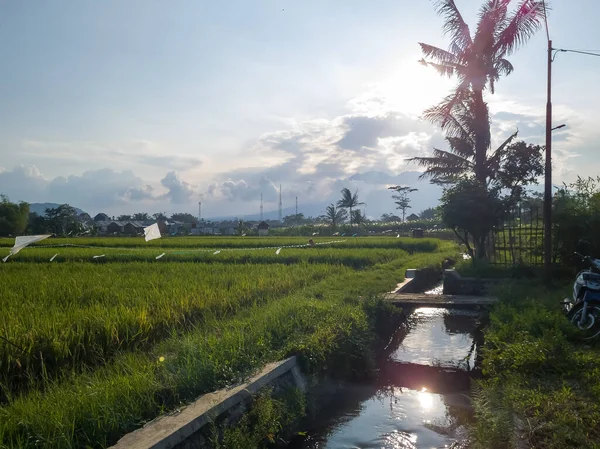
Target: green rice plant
pixel 73 315
pixel 404 243
pixel 325 324
pixel 355 258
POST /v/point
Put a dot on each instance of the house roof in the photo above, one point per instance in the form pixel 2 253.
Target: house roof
pixel 263 225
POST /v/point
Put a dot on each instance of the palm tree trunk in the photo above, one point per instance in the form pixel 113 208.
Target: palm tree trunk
pixel 482 136
pixel 350 216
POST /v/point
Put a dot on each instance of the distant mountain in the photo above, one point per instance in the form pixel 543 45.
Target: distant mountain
pixel 40 208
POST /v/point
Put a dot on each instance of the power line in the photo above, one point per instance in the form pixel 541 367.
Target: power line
pixel 578 51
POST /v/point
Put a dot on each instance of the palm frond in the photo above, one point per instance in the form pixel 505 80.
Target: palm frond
pixel 520 26
pixel 443 164
pixel 503 66
pixel 442 69
pixel 453 116
pixel 461 147
pixel 492 16
pixel 439 55
pixel 454 24
pixel 493 164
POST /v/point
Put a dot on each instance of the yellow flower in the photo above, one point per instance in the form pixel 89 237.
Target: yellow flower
pixel 161 359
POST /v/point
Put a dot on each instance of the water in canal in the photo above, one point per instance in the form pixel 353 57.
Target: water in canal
pixel 420 399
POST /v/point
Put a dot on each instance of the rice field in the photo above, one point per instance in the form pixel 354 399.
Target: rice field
pixel 80 337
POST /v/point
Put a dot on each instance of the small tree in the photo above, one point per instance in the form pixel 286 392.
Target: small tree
pixel 335 215
pixel 431 213
pixel 124 218
pixel 349 201
pixel 141 216
pixel 13 217
pixel 472 211
pixel 184 217
pixel 402 198
pixel 62 220
pixel 358 217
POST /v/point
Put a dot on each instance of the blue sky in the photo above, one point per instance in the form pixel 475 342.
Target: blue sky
pixel 152 105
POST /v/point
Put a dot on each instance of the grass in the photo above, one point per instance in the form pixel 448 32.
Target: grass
pixel 355 258
pixel 313 311
pixel 68 316
pixel 407 244
pixel 542 380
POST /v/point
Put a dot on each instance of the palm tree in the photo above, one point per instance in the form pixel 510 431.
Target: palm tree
pixel 478 61
pixel 349 201
pixel 335 215
pixel 461 158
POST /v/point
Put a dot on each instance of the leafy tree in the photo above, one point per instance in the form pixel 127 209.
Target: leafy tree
pixel 241 227
pixel 358 217
pixel 124 218
pixel 294 219
pixel 335 215
pixel 13 217
pixel 472 211
pixel 431 213
pixel 402 198
pixel 390 218
pixel 478 61
pixel 62 220
pixel 160 216
pixel 349 201
pixel 184 217
pixel 141 216
pixel 36 224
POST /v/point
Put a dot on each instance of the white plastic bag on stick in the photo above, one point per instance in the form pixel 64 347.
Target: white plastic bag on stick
pixel 152 232
pixel 22 242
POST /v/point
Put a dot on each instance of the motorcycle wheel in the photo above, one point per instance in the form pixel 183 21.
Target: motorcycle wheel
pixel 591 327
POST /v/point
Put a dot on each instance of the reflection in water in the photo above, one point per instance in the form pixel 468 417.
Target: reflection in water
pixel 420 399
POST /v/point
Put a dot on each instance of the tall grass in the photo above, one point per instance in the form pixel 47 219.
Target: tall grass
pixel 407 244
pixel 67 316
pixel 543 383
pixel 355 257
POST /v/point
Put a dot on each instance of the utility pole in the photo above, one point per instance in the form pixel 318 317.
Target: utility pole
pixel 261 208
pixel 548 174
pixel 296 207
pixel 199 210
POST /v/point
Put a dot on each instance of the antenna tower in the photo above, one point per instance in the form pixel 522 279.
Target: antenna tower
pixel 280 215
pixel 261 208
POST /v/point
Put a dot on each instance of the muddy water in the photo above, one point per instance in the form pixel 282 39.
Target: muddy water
pixel 420 399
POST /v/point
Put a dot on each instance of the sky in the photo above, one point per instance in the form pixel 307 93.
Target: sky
pixel 147 105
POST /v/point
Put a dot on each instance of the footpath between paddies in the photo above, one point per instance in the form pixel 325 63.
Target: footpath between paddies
pixel 542 387
pixel 325 324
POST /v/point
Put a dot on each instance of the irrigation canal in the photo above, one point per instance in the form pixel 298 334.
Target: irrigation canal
pixel 421 396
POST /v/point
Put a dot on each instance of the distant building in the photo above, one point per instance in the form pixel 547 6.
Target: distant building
pixel 101 217
pixel 412 217
pixel 263 229
pixel 84 218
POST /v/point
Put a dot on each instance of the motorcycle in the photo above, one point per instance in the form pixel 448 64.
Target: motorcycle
pixel 583 310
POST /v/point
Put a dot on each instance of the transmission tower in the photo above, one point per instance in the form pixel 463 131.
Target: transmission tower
pixel 261 207
pixel 280 215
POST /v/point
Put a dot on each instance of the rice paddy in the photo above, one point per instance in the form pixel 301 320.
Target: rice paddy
pixel 81 336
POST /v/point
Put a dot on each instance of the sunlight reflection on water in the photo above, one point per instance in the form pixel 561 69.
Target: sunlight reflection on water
pixel 388 415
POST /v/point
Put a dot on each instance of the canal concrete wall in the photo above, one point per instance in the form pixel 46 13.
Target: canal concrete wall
pixel 192 427
pixel 455 284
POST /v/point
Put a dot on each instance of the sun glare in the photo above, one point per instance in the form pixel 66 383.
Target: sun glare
pixel 425 398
